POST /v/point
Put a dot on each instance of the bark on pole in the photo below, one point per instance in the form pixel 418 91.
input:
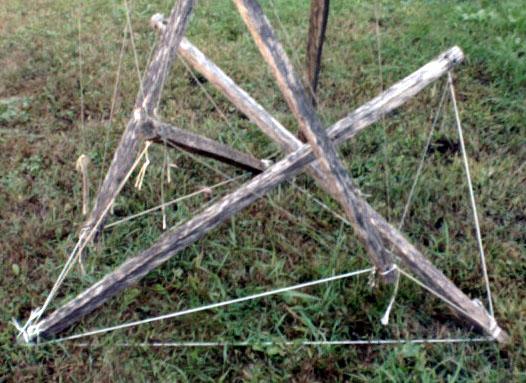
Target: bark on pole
pixel 339 181
pixel 319 14
pixel 178 238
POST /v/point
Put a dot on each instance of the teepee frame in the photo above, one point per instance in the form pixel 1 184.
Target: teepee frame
pixel 318 158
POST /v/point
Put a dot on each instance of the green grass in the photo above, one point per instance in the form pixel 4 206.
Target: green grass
pixel 281 240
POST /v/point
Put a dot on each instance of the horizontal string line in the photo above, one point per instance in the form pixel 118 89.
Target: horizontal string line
pixel 350 342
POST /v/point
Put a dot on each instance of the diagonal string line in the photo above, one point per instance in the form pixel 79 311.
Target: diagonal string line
pixel 132 40
pixel 271 202
pixel 385 318
pixel 169 203
pixel 382 123
pixel 212 306
pixel 422 159
pixel 471 193
pixel 320 203
pixel 432 291
pixel 84 238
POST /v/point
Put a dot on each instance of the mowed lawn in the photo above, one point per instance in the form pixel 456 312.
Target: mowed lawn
pixel 59 64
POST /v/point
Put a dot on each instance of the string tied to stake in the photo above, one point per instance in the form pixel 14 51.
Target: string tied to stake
pixel 494 329
pixel 29 330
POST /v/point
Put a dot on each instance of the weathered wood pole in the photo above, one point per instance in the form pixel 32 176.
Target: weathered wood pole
pixel 339 181
pixel 319 15
pixel 146 101
pixel 178 238
pixel 272 128
pixel 161 132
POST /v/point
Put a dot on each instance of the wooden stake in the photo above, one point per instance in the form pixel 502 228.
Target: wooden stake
pixel 160 132
pixel 145 104
pixel 339 181
pixel 319 14
pixel 176 239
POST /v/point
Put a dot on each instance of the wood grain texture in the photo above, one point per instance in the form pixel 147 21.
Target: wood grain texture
pixel 161 132
pixel 319 15
pixel 181 236
pixel 400 91
pixel 241 99
pixel 338 179
pixel 145 104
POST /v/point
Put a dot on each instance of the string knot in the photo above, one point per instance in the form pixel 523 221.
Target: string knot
pixel 29 330
pixel 389 270
pixel 157 22
pixel 84 231
pixel 267 163
pixel 372 278
pixel 493 330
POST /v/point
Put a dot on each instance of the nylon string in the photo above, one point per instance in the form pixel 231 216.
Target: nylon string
pixel 214 305
pixel 80 244
pixel 471 193
pixel 30 328
pixel 382 123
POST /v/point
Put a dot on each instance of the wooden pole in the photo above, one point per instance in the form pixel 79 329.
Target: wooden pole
pixel 289 142
pixel 319 14
pixel 176 239
pixel 145 105
pixel 160 132
pixel 339 181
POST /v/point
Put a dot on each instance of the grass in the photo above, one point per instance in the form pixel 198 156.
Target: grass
pixel 280 240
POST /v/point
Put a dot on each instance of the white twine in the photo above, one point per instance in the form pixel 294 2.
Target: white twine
pixel 132 40
pixel 422 159
pixel 288 343
pixel 213 305
pixel 471 194
pixel 350 342
pixel 494 330
pixel 30 330
pixel 382 121
pixel 112 105
pixel 385 318
pixel 169 203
